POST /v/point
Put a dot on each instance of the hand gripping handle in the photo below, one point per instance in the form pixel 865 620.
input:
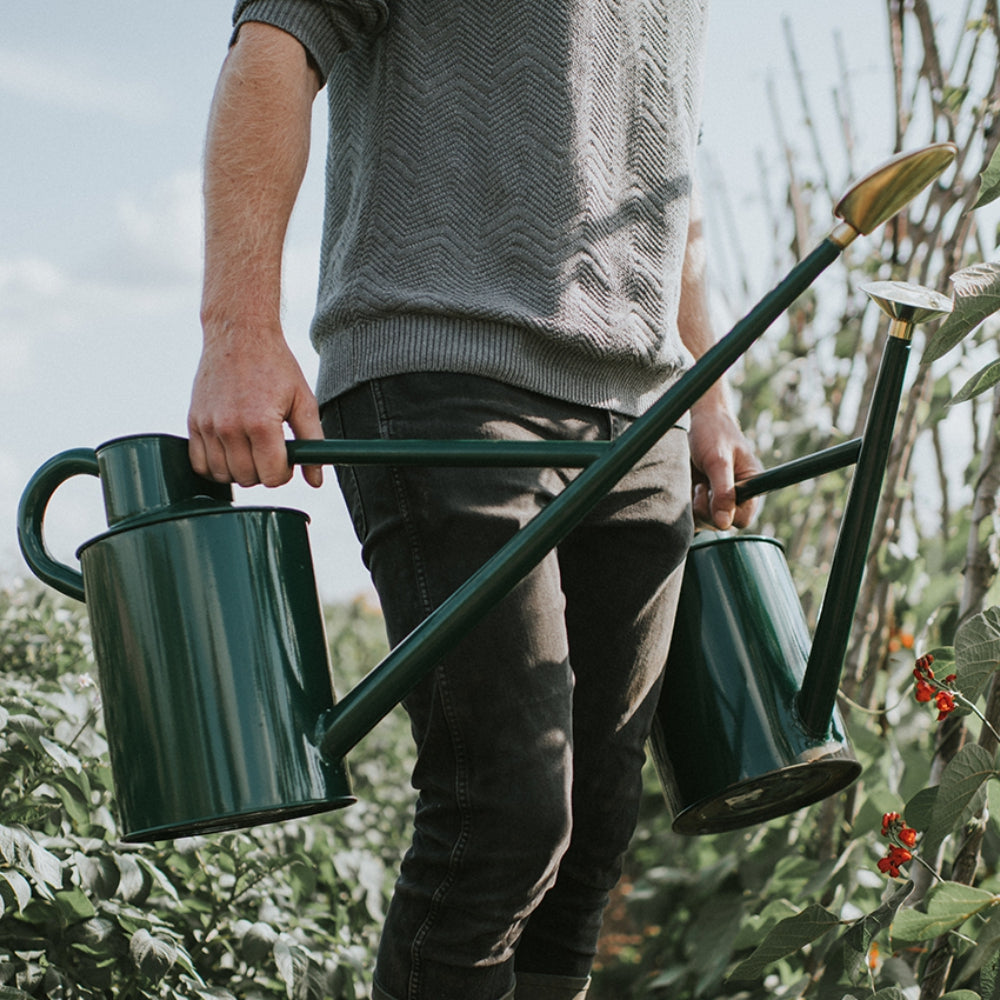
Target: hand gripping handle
pixel 31 512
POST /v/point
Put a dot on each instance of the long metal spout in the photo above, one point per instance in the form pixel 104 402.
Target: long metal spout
pixel 906 305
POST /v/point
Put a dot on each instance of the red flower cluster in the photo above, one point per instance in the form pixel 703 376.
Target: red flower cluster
pixel 929 689
pixel 899 852
pixel 889 865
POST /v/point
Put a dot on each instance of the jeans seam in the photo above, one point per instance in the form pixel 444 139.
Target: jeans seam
pixel 384 421
pixel 461 762
pixel 461 840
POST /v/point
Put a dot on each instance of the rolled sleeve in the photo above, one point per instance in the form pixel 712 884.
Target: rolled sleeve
pixel 324 27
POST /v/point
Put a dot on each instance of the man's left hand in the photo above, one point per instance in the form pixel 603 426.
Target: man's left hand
pixel 720 457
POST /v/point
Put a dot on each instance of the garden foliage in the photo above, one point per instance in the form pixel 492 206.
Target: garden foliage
pixel 292 909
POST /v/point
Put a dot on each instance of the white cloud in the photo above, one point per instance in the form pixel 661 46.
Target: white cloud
pixel 75 86
pixel 157 239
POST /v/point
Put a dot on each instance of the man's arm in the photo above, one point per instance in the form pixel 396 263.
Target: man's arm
pixel 720 454
pixel 248 383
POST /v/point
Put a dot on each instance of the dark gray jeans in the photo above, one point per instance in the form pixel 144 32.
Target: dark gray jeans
pixel 530 734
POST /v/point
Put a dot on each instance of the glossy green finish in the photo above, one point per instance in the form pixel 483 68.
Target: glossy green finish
pixel 31 513
pixel 178 605
pixel 552 454
pixel 140 476
pixel 214 671
pixel 144 474
pixel 833 629
pixel 209 640
pixel 799 470
pixel 727 742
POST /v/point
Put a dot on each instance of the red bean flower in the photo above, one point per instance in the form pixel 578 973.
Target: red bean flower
pixel 901 838
pixel 928 689
pixel 945 702
pixel 889 865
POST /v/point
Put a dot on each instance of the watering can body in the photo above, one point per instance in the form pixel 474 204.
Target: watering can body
pixel 727 741
pixel 210 646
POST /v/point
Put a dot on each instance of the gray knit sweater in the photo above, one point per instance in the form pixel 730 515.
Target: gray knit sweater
pixel 507 189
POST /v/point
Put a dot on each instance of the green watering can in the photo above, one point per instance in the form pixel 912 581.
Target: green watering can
pixel 747 727
pixel 209 639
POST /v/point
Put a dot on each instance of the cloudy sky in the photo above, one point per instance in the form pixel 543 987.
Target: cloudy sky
pixel 103 108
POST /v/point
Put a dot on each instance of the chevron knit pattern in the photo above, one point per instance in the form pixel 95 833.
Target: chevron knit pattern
pixel 507 188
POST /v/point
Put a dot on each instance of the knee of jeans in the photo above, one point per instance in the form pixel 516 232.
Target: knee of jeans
pixel 538 837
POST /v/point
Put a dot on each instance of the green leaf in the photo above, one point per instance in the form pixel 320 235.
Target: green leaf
pixel 985 949
pixel 19 887
pixel 20 850
pixel 847 954
pixel 159 878
pixel 132 886
pixel 66 760
pixel 292 961
pixel 989 181
pixel 977 295
pixel 786 938
pixel 977 652
pixel 961 995
pixel 257 943
pixel 74 801
pixel 949 905
pixel 919 811
pixel 981 382
pixel 152 956
pixel 965 774
pixel 74 906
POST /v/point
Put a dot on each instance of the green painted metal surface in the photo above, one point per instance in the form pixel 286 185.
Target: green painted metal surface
pixel 727 741
pixel 208 635
pixel 214 671
pixel 833 629
pixel 360 710
pixel 207 626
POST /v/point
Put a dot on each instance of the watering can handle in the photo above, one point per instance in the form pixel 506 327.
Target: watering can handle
pixel 31 512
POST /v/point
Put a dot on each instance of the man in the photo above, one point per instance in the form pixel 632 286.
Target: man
pixel 509 251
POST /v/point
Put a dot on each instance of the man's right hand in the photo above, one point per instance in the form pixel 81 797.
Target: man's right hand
pixel 246 389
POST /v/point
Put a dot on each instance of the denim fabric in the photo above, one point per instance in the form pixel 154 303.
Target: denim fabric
pixel 534 986
pixel 530 734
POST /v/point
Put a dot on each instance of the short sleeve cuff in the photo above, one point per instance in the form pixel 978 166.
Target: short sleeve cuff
pixel 324 27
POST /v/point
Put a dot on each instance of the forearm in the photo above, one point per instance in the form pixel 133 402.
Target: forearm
pixel 249 384
pixel 255 158
pixel 693 318
pixel 720 454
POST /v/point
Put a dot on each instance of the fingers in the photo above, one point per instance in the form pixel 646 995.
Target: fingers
pixel 237 455
pixel 714 496
pixel 240 404
pixel 306 425
pixel 721 457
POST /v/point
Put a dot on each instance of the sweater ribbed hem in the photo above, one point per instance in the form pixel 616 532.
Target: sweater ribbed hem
pixel 509 354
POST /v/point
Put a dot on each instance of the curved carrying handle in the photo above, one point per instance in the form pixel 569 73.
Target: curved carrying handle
pixel 31 512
